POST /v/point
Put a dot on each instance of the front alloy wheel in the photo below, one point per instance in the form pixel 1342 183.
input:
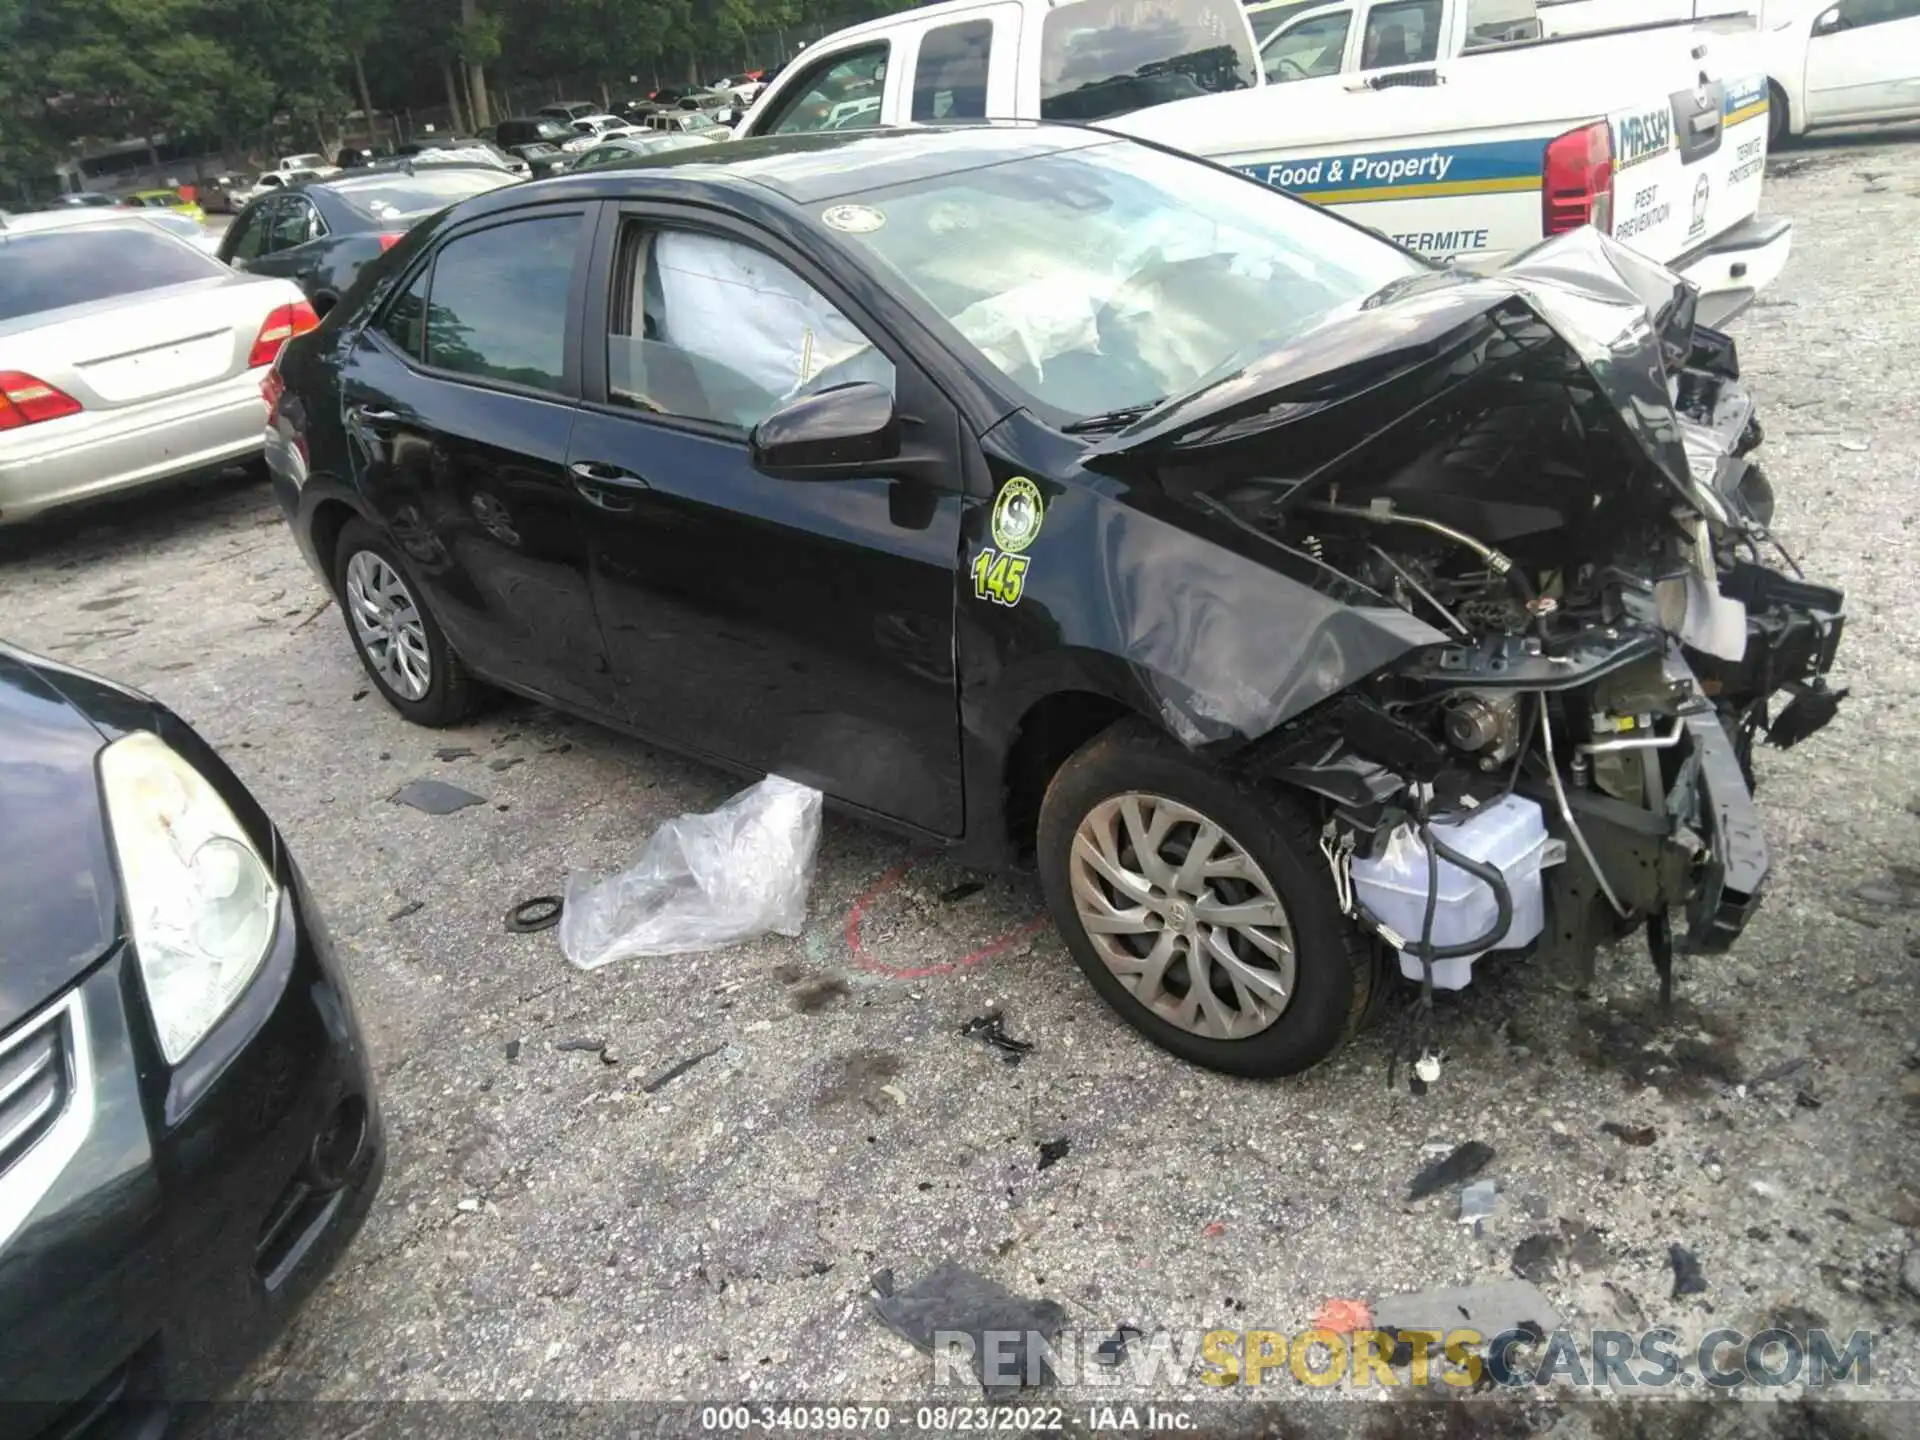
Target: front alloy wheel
pixel 1198 905
pixel 1183 916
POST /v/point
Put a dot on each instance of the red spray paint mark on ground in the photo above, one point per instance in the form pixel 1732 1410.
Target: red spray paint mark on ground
pixel 873 965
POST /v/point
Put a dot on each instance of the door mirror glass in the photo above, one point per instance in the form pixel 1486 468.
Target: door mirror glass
pixel 1828 22
pixel 828 434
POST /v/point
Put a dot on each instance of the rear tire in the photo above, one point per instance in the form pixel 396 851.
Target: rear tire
pixel 1288 985
pixel 399 642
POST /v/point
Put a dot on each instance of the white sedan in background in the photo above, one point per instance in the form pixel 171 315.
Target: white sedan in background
pixel 1840 62
pixel 127 355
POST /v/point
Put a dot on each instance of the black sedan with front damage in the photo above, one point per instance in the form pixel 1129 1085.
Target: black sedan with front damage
pixel 188 1133
pixel 320 234
pixel 1302 610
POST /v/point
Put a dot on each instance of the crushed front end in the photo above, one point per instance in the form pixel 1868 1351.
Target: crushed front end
pixel 1556 468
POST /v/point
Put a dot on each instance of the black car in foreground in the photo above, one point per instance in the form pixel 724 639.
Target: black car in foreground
pixel 188 1131
pixel 319 234
pixel 1300 607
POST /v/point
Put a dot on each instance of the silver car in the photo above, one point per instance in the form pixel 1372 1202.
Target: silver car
pixel 127 355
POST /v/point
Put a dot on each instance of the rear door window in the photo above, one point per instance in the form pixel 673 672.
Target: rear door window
pixel 500 299
pixel 1106 57
pixel 1406 32
pixel 249 233
pixel 405 320
pixel 829 92
pixel 950 75
pixel 53 269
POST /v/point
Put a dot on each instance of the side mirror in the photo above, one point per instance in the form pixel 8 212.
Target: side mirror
pixel 829 435
pixel 1828 22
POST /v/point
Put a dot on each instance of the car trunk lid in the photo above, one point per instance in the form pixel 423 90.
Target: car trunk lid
pixel 132 349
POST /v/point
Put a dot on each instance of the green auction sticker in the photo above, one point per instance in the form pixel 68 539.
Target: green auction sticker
pixel 1017 514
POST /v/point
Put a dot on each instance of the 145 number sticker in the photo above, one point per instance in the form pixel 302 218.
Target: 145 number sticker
pixel 999 577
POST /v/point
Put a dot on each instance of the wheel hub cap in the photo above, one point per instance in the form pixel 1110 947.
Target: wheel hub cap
pixel 389 625
pixel 1183 916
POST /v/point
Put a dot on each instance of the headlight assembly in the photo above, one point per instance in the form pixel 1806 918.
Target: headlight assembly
pixel 200 901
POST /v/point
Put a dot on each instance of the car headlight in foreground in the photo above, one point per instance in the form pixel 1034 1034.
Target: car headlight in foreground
pixel 200 900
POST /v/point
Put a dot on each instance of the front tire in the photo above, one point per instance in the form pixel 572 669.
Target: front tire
pixel 1200 908
pixel 1779 118
pixel 400 644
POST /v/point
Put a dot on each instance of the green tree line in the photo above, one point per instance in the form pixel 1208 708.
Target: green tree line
pixel 229 72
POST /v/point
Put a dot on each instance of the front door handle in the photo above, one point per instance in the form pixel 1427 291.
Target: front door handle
pixel 376 417
pixel 598 472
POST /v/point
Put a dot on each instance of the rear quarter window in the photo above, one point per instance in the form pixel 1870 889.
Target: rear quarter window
pixel 55 269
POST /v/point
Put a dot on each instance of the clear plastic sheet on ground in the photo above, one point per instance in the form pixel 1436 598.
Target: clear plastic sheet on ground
pixel 702 882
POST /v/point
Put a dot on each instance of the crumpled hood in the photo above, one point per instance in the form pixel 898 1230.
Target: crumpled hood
pixel 1629 320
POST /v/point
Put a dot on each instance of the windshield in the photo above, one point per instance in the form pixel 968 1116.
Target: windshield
pixel 1115 276
pixel 1106 57
pixel 303 162
pixel 423 190
pixel 58 268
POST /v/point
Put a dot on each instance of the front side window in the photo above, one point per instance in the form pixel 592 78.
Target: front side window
pixel 706 328
pixel 1309 50
pixel 1114 275
pixel 831 90
pixel 1105 57
pixel 499 302
pixel 1404 33
pixel 950 76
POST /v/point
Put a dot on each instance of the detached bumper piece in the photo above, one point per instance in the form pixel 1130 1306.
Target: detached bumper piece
pixel 1793 633
pixel 1736 867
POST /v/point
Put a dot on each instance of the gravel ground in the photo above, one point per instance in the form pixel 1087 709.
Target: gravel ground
pixel 556 1225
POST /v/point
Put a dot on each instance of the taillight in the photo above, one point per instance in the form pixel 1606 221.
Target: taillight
pixel 282 325
pixel 271 389
pixel 27 400
pixel 1576 182
pixel 387 242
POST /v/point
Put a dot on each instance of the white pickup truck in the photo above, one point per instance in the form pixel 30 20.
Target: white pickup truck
pixel 1647 134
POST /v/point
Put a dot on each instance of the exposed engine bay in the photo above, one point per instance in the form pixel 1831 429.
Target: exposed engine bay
pixel 1566 487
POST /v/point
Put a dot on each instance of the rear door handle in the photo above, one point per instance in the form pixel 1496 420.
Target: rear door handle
pixel 376 417
pixel 596 472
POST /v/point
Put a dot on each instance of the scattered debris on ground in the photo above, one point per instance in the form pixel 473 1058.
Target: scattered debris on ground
pixel 1639 1136
pixel 1113 1349
pixel 673 1072
pixel 991 1029
pixel 1460 1165
pixel 412 907
pixel 435 797
pixel 953 1300
pixel 1688 1277
pixel 1491 1307
pixel 702 881
pixel 1343 1317
pixel 1052 1152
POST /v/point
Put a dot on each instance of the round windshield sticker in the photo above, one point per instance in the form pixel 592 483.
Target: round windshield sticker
pixel 854 219
pixel 1017 515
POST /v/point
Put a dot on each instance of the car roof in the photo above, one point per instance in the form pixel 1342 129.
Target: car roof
pixel 807 169
pixel 78 219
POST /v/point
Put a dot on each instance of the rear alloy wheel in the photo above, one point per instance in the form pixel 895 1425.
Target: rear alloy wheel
pixel 1199 907
pixel 398 641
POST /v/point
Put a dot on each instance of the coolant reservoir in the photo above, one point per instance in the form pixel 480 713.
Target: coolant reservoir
pixel 1510 835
